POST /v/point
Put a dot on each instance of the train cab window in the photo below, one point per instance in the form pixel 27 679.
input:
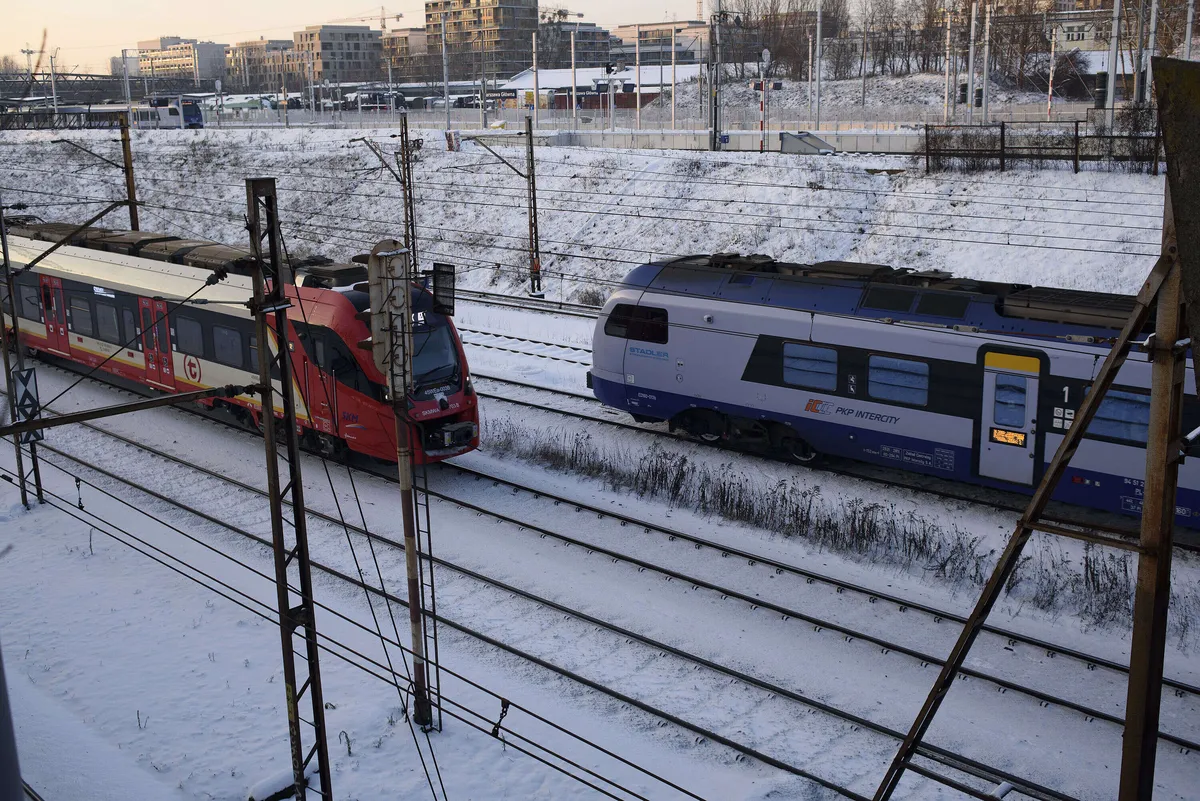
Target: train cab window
pixel 887 298
pixel 31 309
pixel 106 323
pixel 81 316
pixel 936 304
pixel 642 323
pixel 172 112
pixel 189 337
pixel 900 380
pixel 809 366
pixel 227 346
pixel 1124 416
pixel 131 330
pixel 1009 408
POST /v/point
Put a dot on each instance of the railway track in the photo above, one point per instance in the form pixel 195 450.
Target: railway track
pixel 1060 514
pixel 945 758
pixel 525 303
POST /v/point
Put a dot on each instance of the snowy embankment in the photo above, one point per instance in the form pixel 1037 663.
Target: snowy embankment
pixel 603 211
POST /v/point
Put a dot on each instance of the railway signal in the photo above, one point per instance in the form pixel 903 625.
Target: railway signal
pixel 391 289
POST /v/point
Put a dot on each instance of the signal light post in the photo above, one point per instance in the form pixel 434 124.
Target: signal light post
pixel 390 288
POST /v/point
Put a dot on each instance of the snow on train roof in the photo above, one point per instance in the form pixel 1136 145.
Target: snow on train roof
pixel 146 277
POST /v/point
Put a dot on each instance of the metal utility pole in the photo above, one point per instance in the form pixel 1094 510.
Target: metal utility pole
pixel 1178 83
pixel 125 76
pixel 862 64
pixel 127 166
pixel 637 75
pixel 445 70
pixel 292 567
pixel 1174 278
pixel 391 298
pixel 715 73
pixel 946 93
pixel 1187 31
pixel 810 73
pixel 986 72
pixel 1140 62
pixel 674 80
pixel 574 83
pixel 10 787
pixel 10 382
pixel 1050 80
pixel 612 109
pixel 817 65
pixel 1114 44
pixel 535 253
pixel 971 66
pixel 537 89
pixel 54 84
pixel 483 122
pixel 1151 46
pixel 391 94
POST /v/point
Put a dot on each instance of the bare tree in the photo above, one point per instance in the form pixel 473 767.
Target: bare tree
pixel 10 65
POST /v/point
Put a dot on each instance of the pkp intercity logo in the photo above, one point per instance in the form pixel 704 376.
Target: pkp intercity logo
pixel 817 406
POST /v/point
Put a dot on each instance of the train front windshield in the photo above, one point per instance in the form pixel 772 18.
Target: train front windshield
pixel 435 357
pixel 192 116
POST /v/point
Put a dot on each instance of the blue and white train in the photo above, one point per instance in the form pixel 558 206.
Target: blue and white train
pixel 967 380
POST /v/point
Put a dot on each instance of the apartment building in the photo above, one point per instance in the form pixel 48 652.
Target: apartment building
pixel 257 64
pixel 340 52
pixel 498 33
pixel 407 51
pixel 592 44
pixel 690 42
pixel 182 58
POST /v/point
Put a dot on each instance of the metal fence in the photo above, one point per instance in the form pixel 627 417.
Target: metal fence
pixel 1004 146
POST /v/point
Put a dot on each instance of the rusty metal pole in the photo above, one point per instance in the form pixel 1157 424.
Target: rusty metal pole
pixel 1158 521
pixel 130 185
pixel 10 290
pixel 535 253
pixel 398 264
pixel 292 566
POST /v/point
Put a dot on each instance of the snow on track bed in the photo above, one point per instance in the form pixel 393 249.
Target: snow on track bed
pixel 773 734
pixel 732 625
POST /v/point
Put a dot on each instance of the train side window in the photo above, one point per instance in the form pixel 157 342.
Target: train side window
pixel 1009 407
pixel 131 329
pixel 1123 415
pixel 31 309
pixel 649 324
pixel 809 366
pixel 886 298
pixel 106 323
pixel 900 380
pixel 189 336
pixel 617 324
pixel 81 316
pixel 227 346
pixel 936 304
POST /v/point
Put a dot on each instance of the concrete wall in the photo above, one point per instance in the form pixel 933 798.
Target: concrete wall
pixel 882 142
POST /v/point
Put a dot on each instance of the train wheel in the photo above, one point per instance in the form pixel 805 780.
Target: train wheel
pixel 706 424
pixel 786 443
pixel 802 453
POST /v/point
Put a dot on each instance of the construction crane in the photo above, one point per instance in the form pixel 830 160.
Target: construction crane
pixel 383 18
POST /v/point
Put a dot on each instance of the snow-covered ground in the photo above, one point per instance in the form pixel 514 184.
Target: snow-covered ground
pixel 184 685
pixel 603 211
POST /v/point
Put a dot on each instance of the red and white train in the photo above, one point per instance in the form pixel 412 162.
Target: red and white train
pixel 117 293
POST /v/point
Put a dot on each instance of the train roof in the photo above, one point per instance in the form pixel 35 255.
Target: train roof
pixel 933 297
pixel 138 276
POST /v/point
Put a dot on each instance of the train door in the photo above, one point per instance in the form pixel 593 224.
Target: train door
pixel 1008 422
pixel 156 342
pixel 55 311
pixel 324 404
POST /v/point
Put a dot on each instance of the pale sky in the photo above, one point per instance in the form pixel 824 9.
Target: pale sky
pixel 88 32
